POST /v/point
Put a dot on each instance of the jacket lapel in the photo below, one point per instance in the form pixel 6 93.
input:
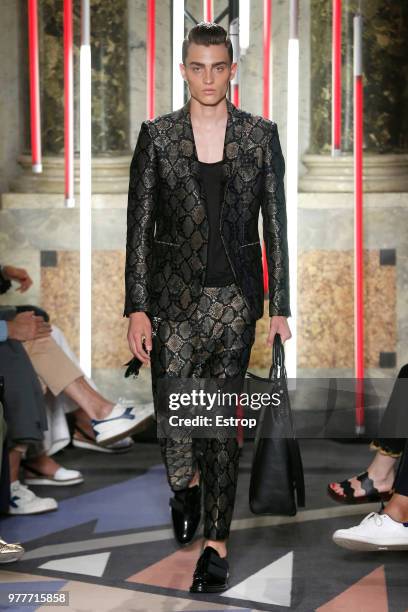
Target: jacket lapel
pixel 232 144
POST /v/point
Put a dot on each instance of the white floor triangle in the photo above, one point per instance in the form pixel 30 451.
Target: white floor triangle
pixel 271 585
pixel 90 565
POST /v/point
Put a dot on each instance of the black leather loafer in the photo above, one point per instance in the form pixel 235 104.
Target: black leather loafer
pixel 211 573
pixel 186 513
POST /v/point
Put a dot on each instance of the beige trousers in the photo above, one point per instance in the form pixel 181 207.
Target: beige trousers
pixel 54 369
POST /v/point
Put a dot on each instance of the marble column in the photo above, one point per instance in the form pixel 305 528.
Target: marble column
pixel 110 87
pixel 385 97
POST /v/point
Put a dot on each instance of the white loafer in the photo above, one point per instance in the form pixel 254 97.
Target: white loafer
pixel 61 478
pixel 123 419
pixel 375 532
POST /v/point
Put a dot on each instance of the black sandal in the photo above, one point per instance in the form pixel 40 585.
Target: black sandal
pixel 348 497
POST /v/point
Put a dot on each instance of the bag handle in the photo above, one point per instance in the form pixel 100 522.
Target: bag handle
pixel 277 369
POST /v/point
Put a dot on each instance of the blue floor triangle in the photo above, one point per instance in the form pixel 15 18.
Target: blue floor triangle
pixel 133 504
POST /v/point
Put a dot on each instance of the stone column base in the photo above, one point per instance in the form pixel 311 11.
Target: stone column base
pixel 109 175
pixel 382 173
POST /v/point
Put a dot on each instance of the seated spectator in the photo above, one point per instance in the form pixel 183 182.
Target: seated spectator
pixel 24 412
pixel 25 335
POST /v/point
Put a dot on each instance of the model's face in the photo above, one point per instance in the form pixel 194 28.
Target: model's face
pixel 208 72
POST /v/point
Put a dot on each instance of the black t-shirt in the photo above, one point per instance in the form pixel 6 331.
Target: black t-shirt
pixel 219 273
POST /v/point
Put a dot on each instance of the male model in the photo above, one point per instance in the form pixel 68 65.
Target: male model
pixel 194 283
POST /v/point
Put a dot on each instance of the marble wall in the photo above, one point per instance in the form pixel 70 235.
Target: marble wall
pixel 385 31
pixel 12 70
pixel 325 283
pixel 109 53
pixel 326 309
pixel 60 298
pixel 137 62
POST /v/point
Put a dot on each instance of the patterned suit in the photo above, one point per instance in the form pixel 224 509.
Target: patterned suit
pixel 167 232
pixel 200 331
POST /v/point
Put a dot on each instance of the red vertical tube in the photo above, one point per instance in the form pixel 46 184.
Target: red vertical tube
pixel 336 77
pixel 358 162
pixel 234 36
pixel 68 103
pixel 235 94
pixel 150 57
pixel 358 203
pixel 35 119
pixel 359 253
pixel 267 34
pixel 208 10
pixel 265 269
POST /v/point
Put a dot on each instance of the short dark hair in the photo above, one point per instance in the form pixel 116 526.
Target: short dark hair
pixel 207 33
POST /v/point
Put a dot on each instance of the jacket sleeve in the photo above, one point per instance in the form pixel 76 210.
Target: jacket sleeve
pixel 275 225
pixel 141 211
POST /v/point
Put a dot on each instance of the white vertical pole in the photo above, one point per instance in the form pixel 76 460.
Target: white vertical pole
pixel 244 25
pixel 178 37
pixel 292 176
pixel 234 36
pixel 85 217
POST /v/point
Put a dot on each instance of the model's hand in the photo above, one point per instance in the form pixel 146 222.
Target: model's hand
pixel 26 326
pixel 20 275
pixel 279 325
pixel 140 328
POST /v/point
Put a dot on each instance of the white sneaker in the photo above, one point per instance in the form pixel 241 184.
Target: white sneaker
pixel 375 532
pixel 24 501
pixel 61 478
pixel 122 420
pixel 10 552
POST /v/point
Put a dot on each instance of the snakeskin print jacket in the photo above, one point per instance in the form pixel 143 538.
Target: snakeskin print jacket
pixel 167 225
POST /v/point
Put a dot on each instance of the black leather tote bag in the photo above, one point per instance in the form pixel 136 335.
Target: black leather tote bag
pixel 277 470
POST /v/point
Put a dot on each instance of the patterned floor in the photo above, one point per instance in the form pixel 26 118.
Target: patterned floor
pixel 110 544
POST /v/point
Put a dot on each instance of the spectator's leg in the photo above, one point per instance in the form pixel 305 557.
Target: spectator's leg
pixel 60 374
pixel 382 469
pixel 36 457
pixel 397 508
pixel 16 454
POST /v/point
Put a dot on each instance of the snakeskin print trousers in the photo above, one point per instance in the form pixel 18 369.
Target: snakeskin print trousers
pixel 215 343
